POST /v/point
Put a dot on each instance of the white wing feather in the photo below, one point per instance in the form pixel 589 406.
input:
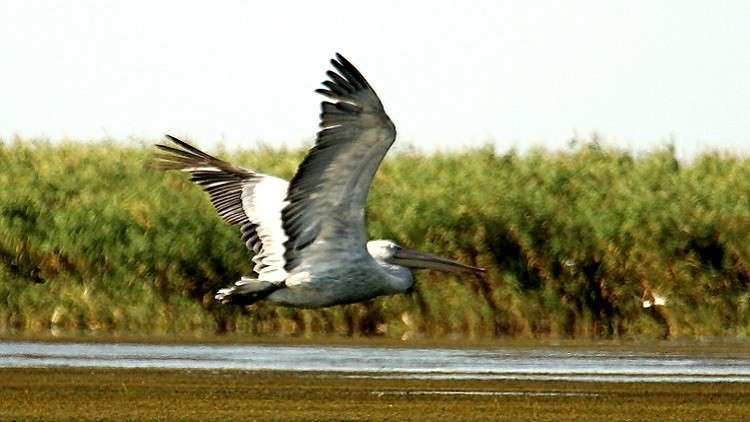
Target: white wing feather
pixel 263 202
pixel 241 197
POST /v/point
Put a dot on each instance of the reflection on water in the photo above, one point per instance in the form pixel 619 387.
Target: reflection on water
pixel 518 363
pixel 484 393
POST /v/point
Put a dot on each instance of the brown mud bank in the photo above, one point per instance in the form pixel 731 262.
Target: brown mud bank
pixel 127 394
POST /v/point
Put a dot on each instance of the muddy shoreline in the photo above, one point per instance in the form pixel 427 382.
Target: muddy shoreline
pixel 146 394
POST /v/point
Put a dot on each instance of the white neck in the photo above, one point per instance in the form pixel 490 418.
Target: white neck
pixel 400 278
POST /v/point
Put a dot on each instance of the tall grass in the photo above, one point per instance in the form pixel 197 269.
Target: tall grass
pixel 93 239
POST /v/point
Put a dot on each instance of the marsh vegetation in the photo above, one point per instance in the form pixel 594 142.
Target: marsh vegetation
pixel 93 240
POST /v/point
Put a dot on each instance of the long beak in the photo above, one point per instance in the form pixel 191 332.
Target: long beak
pixel 414 259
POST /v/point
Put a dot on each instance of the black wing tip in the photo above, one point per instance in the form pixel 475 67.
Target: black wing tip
pixel 340 57
pixel 344 68
pixel 163 147
pixel 174 140
pixel 178 141
pixel 181 147
pixel 179 155
pixel 344 62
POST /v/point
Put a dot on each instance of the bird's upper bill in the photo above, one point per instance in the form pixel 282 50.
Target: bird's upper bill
pixel 420 260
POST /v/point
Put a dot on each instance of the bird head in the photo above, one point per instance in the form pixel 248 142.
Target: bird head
pixel 392 253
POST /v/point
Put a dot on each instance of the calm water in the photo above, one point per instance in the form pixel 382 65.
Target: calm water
pixel 521 363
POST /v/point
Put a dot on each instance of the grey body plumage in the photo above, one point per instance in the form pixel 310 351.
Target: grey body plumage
pixel 309 235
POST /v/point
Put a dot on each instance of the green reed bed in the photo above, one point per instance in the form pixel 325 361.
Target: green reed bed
pixel 92 239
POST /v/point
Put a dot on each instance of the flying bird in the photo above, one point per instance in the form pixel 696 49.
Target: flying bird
pixel 309 235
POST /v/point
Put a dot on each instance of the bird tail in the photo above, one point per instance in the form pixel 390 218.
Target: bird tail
pixel 247 291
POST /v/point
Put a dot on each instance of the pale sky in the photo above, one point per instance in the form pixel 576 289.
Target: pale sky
pixel 450 74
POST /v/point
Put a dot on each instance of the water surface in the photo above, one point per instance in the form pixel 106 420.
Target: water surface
pixel 512 363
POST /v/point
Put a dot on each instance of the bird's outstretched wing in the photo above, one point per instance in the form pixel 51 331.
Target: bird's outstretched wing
pixel 241 197
pixel 328 195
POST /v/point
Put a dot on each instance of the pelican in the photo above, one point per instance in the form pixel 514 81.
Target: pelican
pixel 309 235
